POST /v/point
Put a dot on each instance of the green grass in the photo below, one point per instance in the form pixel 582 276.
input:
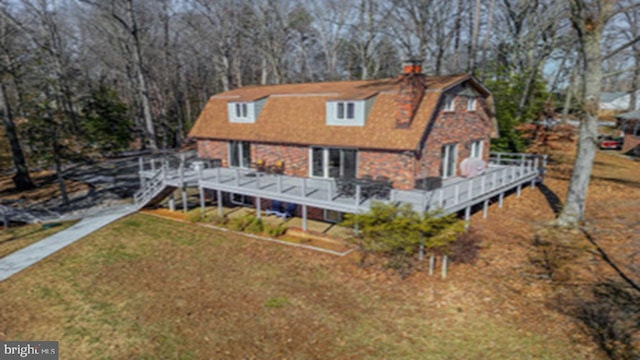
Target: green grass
pixel 148 288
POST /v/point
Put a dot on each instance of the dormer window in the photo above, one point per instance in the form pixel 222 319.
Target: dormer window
pixel 345 110
pixel 241 110
pixel 471 104
pixel 448 103
pixel 244 112
pixel 348 113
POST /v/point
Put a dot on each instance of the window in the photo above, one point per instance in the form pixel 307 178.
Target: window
pixel 345 111
pixel 476 149
pixel 239 154
pixel 471 104
pixel 241 110
pixel 333 163
pixel 449 154
pixel 448 103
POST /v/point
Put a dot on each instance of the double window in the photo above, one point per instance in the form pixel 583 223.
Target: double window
pixel 449 155
pixel 345 110
pixel 333 163
pixel 476 149
pixel 449 104
pixel 239 154
pixel 241 111
pixel 471 104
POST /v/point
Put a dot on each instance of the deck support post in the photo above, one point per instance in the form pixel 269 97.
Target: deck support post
pixel 518 189
pixel 356 228
pixel 533 183
pixel 258 207
pixel 304 217
pixel 219 200
pixel 485 205
pixel 185 205
pixel 444 266
pixel 500 200
pixel 201 193
pixel 467 217
pixel 172 202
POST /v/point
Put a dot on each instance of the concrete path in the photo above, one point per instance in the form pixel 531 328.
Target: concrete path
pixel 33 253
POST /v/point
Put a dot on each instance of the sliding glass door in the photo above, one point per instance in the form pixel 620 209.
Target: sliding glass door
pixel 449 154
pixel 239 154
pixel 333 163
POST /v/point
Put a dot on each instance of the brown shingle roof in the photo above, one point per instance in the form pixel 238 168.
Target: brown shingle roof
pixel 295 113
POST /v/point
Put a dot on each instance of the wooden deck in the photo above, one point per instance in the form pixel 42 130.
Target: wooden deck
pixel 505 173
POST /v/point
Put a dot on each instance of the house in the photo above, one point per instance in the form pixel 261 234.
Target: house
pixel 406 129
pixel 630 125
pixel 412 131
pixel 612 103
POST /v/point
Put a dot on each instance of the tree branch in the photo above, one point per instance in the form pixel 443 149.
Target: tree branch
pixel 622 47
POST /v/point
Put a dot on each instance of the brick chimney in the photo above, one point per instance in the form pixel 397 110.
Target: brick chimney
pixel 410 92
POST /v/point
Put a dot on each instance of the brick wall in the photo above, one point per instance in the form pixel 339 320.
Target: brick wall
pixel 398 167
pixel 460 126
pixel 214 149
pixel 296 158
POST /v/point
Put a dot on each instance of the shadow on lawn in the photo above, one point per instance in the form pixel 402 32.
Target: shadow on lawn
pixel 552 199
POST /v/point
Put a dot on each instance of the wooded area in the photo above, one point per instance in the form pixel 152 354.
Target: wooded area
pixel 87 77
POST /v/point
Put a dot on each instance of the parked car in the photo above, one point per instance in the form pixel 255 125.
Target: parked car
pixel 610 142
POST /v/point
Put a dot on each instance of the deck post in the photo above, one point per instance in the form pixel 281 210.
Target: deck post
pixel 185 205
pixel 357 195
pixel 533 183
pixel 482 185
pixel 329 190
pixel 218 175
pixel 304 187
pixel 518 189
pixel 258 181
pixel 172 202
pixel 153 165
pixel 237 171
pixel 258 207
pixel 304 217
pixel 498 159
pixel 467 217
pixel 493 180
pixel 457 193
pixel 219 200
pixel 500 200
pixel 444 266
pixel 279 183
pixel 441 200
pixel 470 189
pixel 513 173
pixel 485 206
pixel 201 193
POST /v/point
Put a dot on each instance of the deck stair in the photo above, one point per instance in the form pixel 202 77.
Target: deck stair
pixel 154 189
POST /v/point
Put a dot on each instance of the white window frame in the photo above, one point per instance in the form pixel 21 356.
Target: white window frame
pixel 475 149
pixel 471 104
pixel 447 158
pixel 345 110
pixel 240 151
pixel 449 103
pixel 325 161
pixel 242 110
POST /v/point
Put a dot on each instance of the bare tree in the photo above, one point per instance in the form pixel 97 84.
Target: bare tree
pixel 589 19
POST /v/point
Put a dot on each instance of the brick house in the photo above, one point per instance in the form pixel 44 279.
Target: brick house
pixel 410 129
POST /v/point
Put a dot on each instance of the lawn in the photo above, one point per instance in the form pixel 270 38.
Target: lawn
pixel 16 238
pixel 152 288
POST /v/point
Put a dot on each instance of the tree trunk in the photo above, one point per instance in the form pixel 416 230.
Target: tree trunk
pixel 60 178
pixel 573 211
pixel 474 39
pixel 143 90
pixel 485 42
pixel 635 84
pixel 21 179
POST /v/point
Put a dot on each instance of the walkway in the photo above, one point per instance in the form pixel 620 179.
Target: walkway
pixel 33 253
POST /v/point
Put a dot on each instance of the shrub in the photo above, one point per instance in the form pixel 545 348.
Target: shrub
pixel 255 226
pixel 275 230
pixel 240 223
pixel 396 232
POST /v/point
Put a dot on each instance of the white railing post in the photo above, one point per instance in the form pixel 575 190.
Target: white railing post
pixel 441 198
pixel 304 187
pixel 498 160
pixel 237 171
pixel 218 175
pixel 493 180
pixel 279 183
pixel 329 197
pixel 457 193
pixel 482 185
pixel 258 181
pixel 470 188
pixel 153 165
pixel 357 195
